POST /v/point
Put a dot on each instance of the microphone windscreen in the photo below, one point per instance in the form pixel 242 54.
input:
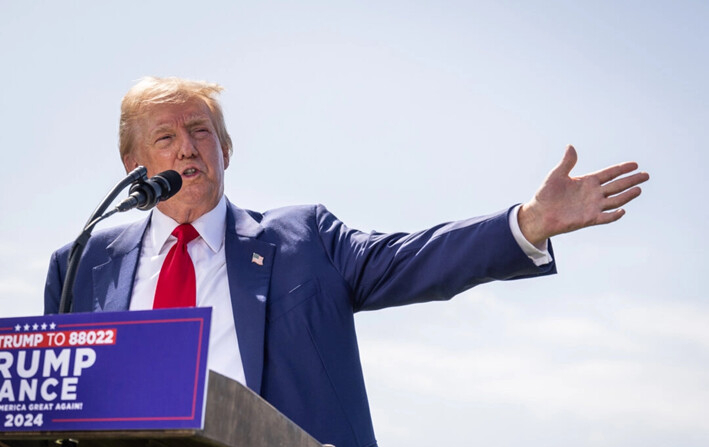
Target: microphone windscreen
pixel 174 183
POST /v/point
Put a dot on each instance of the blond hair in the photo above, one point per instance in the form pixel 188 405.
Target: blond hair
pixel 150 91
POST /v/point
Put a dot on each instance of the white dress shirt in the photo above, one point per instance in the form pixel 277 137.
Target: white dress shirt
pixel 539 256
pixel 207 253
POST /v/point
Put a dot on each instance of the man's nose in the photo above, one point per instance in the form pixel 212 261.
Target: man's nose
pixel 187 147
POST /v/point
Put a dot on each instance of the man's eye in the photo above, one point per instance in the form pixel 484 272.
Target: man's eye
pixel 163 138
pixel 200 132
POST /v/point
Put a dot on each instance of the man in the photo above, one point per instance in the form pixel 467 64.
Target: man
pixel 284 285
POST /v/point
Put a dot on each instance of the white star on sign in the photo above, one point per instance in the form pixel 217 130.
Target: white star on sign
pixel 35 327
pixel 17 328
pixel 44 326
pixel 52 326
pixel 27 327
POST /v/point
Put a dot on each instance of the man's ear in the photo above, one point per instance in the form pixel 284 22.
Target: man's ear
pixel 129 162
pixel 226 159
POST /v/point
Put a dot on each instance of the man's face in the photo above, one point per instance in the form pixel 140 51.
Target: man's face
pixel 182 137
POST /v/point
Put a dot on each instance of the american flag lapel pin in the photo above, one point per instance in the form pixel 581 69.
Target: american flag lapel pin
pixel 257 259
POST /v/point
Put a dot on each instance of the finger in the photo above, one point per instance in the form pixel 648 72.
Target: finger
pixel 611 172
pixel 624 183
pixel 612 216
pixel 567 163
pixel 621 199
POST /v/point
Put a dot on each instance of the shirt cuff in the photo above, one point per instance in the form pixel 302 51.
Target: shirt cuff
pixel 539 255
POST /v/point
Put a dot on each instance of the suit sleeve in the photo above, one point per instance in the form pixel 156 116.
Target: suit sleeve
pixel 384 270
pixel 53 285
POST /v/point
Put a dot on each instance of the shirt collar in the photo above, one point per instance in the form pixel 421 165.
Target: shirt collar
pixel 211 227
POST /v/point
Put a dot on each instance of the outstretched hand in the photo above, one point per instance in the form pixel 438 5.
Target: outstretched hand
pixel 564 203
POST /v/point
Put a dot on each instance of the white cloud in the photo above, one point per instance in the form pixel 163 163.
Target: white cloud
pixel 21 296
pixel 678 321
pixel 618 364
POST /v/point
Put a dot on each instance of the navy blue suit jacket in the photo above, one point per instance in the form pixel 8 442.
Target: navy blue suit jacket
pixel 294 314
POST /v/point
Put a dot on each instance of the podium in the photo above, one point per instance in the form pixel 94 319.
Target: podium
pixel 235 417
pixel 127 379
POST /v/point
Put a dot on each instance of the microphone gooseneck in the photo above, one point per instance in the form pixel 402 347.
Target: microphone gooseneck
pixel 145 193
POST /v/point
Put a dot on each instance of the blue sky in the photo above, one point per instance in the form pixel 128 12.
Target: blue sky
pixel 399 115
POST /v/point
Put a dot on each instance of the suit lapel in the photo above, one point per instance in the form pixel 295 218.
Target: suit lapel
pixel 249 263
pixel 113 280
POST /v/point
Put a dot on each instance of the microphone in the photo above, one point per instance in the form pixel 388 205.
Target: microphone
pixel 145 194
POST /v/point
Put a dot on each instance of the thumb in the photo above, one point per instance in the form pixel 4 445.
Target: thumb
pixel 567 163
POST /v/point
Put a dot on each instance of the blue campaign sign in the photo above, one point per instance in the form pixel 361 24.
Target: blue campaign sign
pixel 104 371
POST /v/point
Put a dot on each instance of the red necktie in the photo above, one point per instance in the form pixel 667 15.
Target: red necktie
pixel 177 286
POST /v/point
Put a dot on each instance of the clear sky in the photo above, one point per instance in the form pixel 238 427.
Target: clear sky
pixel 398 115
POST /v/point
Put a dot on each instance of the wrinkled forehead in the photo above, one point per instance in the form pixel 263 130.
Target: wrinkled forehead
pixel 193 111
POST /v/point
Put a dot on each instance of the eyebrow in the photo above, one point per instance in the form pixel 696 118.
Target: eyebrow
pixel 191 121
pixel 197 120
